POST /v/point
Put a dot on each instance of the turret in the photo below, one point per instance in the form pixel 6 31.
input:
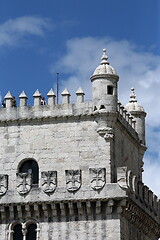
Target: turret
pixel 139 115
pixel 104 86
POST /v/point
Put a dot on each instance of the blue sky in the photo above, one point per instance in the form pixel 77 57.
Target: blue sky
pixel 39 38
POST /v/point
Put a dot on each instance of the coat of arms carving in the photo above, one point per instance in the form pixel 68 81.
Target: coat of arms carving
pixel 73 180
pixel 3 184
pixel 24 182
pixel 49 181
pixel 98 178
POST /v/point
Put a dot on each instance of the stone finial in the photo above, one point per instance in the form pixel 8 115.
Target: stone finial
pixel 80 95
pixel 8 95
pixel 104 68
pixel 23 99
pixel 51 97
pixel 65 96
pixel 132 96
pixel 8 100
pixel 37 98
pixel 133 104
pixel 104 58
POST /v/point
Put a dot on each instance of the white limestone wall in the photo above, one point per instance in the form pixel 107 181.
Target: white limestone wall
pixel 81 230
pixel 126 151
pixel 55 145
pixel 3 231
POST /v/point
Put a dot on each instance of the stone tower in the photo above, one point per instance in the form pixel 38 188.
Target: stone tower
pixel 74 170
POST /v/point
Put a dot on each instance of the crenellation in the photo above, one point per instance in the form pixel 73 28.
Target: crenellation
pixel 51 97
pixel 8 100
pixel 58 110
pixel 140 192
pixel 80 95
pixel 23 99
pixel 37 98
pixel 65 96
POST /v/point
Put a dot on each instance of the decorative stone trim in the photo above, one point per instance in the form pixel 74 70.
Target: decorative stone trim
pixel 97 178
pixel 49 181
pixel 143 221
pixel 3 184
pixel 59 210
pixel 73 180
pixel 24 182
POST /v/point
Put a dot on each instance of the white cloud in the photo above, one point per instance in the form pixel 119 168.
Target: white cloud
pixel 151 176
pixel 14 30
pixel 136 68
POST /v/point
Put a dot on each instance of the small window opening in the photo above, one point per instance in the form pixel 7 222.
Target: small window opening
pixel 102 107
pixel 31 165
pixel 110 90
pixel 95 108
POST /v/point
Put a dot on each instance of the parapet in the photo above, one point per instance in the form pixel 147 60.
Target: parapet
pixel 138 192
pixel 43 109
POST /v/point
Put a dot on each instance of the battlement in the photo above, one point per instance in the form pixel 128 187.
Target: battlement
pixel 41 109
pixel 126 119
pixel 9 100
pixel 138 191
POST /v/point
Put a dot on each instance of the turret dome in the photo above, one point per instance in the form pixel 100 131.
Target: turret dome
pixel 133 105
pixel 104 86
pixel 104 67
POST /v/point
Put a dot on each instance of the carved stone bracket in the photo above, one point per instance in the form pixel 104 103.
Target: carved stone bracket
pixel 3 184
pixel 106 132
pixel 49 181
pixel 24 182
pixel 73 180
pixel 97 178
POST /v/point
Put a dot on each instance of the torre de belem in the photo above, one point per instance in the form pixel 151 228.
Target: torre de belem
pixel 73 171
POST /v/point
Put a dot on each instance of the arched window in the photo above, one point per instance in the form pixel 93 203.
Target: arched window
pixel 30 165
pixel 31 232
pixel 17 232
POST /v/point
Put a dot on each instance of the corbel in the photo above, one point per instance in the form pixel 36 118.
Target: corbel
pixel 110 205
pixel 19 211
pixel 62 208
pixel 98 207
pixel 45 210
pixel 71 210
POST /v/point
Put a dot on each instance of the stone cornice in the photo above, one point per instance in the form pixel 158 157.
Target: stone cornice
pixel 137 216
pixel 62 210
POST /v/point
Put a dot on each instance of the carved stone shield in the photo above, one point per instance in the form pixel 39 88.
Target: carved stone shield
pixel 73 180
pixel 98 178
pixel 3 184
pixel 49 181
pixel 24 182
